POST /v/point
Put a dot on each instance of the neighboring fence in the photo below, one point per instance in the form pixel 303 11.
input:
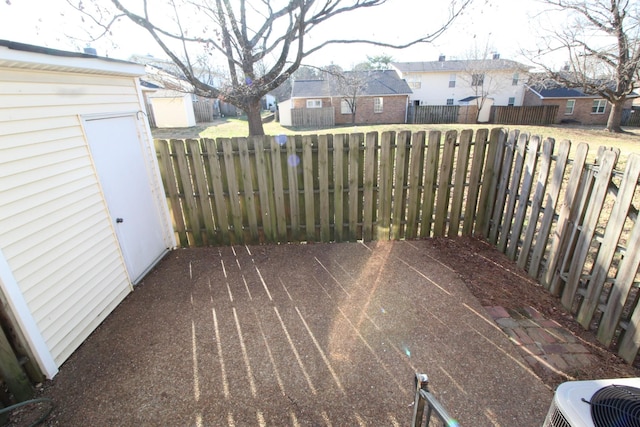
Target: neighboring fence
pixel 428 114
pixel 631 117
pixel 313 117
pixel 566 222
pixel 535 115
pixel 204 110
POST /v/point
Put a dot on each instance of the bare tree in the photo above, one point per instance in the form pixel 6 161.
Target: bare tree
pixel 350 85
pixel 602 46
pixel 244 33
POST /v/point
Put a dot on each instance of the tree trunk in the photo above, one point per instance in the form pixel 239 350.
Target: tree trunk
pixel 254 118
pixel 615 117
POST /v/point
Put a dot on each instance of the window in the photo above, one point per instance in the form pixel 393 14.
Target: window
pixel 314 103
pixel 477 79
pixel 377 105
pixel 414 84
pixel 345 107
pixel 452 80
pixel 512 101
pixel 516 78
pixel 449 101
pixel 568 110
pixel 598 106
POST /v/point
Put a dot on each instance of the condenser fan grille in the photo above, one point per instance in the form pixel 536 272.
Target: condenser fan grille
pixel 616 406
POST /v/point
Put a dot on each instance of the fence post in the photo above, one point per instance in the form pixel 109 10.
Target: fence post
pixel 11 372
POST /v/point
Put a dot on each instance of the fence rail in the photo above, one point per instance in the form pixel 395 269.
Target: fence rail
pixel 567 222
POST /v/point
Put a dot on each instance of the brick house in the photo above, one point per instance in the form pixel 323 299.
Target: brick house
pixel 378 96
pixel 575 106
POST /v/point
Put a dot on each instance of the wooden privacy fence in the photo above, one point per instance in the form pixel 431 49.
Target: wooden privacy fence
pixel 433 114
pixel 534 115
pixel 566 222
pixel 313 117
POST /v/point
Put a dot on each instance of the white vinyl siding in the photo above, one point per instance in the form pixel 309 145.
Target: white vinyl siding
pixel 55 231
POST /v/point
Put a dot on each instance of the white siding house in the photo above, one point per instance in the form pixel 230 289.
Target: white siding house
pixel 459 82
pixel 82 210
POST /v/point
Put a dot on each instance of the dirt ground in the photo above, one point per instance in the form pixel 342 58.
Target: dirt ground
pixel 489 275
pixel 141 365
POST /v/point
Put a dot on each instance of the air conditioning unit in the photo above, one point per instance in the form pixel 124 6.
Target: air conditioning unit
pixel 596 403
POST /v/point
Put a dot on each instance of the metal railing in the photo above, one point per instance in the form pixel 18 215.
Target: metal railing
pixel 433 408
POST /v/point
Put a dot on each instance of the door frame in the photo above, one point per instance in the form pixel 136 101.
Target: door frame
pixel 152 172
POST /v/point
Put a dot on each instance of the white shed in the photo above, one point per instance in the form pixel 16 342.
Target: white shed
pixel 82 211
pixel 173 109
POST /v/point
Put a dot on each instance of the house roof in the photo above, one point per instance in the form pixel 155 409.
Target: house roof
pixel 26 56
pixel 378 83
pixel 565 92
pixel 459 65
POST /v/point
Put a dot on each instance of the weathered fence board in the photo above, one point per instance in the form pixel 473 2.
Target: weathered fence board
pixel 536 202
pixel 523 196
pixel 444 183
pixel 612 234
pixel 313 117
pixel 549 210
pixel 431 166
pixel 567 223
pixel 524 115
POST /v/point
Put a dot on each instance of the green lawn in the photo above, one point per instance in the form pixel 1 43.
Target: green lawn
pixel 594 136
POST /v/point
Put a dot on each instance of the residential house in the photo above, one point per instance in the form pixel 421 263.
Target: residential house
pixel 378 96
pixel 575 105
pixel 482 83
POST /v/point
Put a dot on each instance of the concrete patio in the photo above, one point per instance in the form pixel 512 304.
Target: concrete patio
pixel 297 335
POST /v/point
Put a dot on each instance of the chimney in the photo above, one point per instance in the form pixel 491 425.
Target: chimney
pixel 90 51
pixel 496 55
pixel 441 58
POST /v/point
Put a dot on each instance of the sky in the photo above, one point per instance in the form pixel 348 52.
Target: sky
pixel 507 26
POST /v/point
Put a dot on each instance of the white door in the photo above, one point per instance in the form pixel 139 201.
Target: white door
pixel 117 155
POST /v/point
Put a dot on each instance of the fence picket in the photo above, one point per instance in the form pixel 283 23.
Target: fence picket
pixel 475 181
pixel 339 176
pixel 265 197
pixel 232 189
pixel 588 228
pixel 386 184
pixel 630 342
pixel 444 183
pixel 415 179
pixel 275 179
pixel 355 180
pixel 218 192
pixel 529 171
pixel 513 192
pixel 169 182
pixel 191 216
pixel 371 142
pixel 503 186
pixel 403 151
pixel 247 183
pixel 549 210
pixel 459 182
pixel 293 163
pixel 200 181
pixel 309 190
pixel 431 166
pixel 536 202
pixel 490 180
pixel 323 176
pixel 609 244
